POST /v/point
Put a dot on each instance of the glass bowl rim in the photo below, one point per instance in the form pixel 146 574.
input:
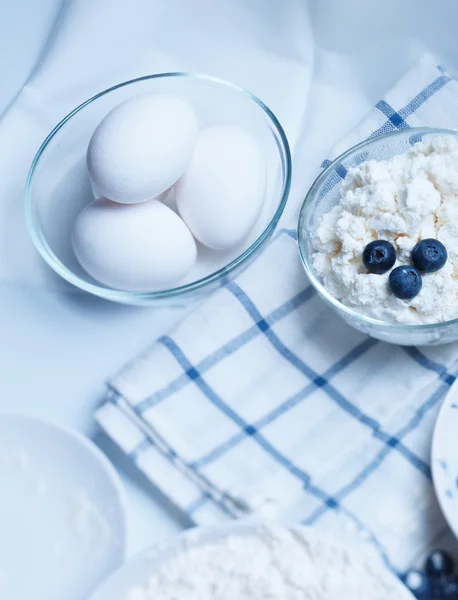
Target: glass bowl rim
pixel 58 266
pixel 399 327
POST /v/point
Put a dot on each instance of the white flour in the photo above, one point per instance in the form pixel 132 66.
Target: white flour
pixel 411 197
pixel 275 564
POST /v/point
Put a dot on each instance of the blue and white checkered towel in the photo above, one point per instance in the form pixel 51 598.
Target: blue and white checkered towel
pixel 262 400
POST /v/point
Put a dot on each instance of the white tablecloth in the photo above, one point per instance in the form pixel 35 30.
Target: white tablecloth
pixel 49 331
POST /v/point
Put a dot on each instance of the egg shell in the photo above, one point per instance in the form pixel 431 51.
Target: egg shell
pixel 221 194
pixel 141 148
pixel 162 197
pixel 134 247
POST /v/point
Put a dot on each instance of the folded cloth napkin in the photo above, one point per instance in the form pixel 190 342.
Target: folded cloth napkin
pixel 264 401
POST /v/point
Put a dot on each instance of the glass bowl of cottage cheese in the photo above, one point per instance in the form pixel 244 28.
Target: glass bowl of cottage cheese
pixel 399 192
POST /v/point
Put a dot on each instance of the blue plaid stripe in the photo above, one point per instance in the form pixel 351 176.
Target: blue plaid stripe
pixel 339 366
pixel 329 502
pixel 395 120
pixel 340 172
pixel 429 364
pixel 140 449
pixel 393 117
pixel 232 506
pixel 217 401
pixel 208 391
pixel 424 95
pixel 384 452
pixel 320 381
pixel 232 346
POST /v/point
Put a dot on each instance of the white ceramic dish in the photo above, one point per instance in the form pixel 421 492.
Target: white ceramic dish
pixel 61 512
pixel 138 571
pixel 444 458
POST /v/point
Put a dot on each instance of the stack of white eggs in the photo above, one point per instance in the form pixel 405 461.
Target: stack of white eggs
pixel 128 238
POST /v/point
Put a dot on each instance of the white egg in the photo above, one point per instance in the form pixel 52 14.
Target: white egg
pixel 134 247
pixel 141 148
pixel 221 193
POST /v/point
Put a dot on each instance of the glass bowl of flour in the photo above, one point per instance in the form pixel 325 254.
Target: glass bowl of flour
pixel 401 187
pixel 252 561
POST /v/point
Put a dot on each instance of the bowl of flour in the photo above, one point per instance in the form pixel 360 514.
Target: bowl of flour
pixel 250 561
pixel 399 192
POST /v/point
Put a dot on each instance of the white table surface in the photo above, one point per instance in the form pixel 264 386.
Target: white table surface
pixel 56 349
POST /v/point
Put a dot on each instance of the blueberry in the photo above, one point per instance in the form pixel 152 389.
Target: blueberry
pixel 441 588
pixel 405 282
pixel 439 564
pixel 449 588
pixel 418 584
pixel 429 255
pixel 379 256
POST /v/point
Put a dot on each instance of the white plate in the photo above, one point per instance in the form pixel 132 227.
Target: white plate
pixel 62 528
pixel 138 571
pixel 444 458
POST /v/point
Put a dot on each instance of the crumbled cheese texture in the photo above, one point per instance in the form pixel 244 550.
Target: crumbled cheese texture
pixel 411 197
pixel 275 564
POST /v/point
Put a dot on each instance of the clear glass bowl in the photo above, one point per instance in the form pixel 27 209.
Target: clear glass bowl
pixel 58 184
pixel 323 195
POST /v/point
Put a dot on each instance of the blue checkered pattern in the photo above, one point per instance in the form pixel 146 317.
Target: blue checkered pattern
pixel 263 401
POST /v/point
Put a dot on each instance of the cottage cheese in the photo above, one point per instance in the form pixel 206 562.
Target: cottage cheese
pixel 408 198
